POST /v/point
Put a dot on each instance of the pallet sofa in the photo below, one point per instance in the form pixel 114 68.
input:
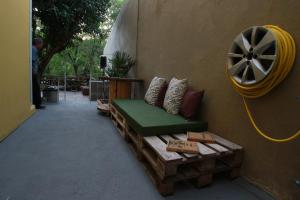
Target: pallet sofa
pixel 149 120
pixel 148 129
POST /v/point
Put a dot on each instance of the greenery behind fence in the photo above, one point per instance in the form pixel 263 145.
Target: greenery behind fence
pixel 75 34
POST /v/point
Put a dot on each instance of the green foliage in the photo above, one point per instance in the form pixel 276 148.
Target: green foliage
pixel 92 50
pixel 58 65
pixel 73 56
pixel 74 32
pixel 121 63
pixel 62 21
pixel 80 59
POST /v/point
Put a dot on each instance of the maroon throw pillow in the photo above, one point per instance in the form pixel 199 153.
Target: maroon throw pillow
pixel 161 95
pixel 191 103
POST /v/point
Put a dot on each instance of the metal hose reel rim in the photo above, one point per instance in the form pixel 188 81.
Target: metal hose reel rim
pixel 252 55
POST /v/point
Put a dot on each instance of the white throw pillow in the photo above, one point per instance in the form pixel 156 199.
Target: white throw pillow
pixel 153 90
pixel 174 95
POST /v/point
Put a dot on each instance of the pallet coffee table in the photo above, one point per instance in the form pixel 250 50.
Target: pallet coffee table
pixel 166 168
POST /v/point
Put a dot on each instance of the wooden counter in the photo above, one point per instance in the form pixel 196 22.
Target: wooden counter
pixel 119 88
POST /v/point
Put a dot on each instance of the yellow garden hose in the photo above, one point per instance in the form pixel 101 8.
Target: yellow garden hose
pixel 286 52
pixel 265 135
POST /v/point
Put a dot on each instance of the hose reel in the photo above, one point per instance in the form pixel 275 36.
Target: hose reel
pixel 259 59
pixel 250 48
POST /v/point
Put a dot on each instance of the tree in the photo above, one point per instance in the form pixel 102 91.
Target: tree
pixel 91 50
pixel 62 21
pixel 81 58
pixel 58 65
pixel 74 56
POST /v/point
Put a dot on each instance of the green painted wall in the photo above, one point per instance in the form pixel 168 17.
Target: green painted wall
pixel 15 104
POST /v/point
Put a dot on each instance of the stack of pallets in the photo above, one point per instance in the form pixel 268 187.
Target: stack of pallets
pixel 166 168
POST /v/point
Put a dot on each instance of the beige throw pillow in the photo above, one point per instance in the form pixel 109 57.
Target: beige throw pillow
pixel 153 90
pixel 174 95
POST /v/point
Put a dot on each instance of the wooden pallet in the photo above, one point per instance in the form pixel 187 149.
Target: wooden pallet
pixel 103 107
pixel 166 168
pixel 118 120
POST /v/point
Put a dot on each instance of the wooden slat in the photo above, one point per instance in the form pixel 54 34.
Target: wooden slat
pixel 230 145
pixel 219 148
pixel 189 172
pixel 204 150
pixel 118 117
pixel 167 138
pixel 102 106
pixel 221 167
pixel 120 122
pixel 112 90
pixel 150 159
pixel 160 147
pixel 133 137
pixel 123 90
pixel 112 108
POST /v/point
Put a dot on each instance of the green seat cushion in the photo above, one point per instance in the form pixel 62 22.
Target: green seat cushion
pixel 149 120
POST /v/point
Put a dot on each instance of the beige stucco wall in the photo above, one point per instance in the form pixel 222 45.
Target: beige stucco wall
pixel 190 39
pixel 15 104
pixel 124 32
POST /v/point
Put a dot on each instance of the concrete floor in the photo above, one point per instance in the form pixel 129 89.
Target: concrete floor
pixel 70 152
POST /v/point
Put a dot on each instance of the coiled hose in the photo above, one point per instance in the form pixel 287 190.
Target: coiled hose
pixel 282 66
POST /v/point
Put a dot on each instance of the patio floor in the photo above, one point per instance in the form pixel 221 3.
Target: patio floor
pixel 70 152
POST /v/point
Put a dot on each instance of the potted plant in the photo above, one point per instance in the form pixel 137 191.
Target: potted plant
pixel 121 63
